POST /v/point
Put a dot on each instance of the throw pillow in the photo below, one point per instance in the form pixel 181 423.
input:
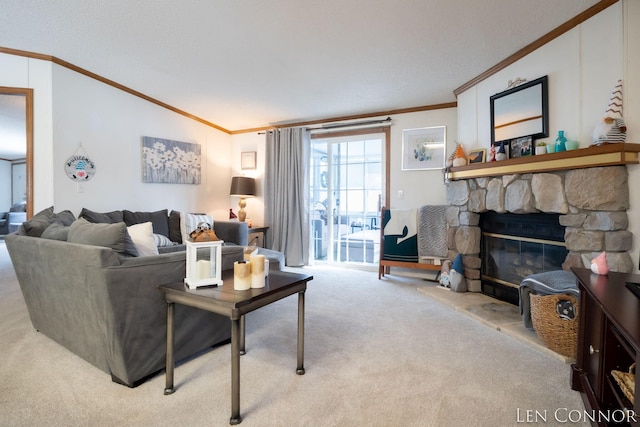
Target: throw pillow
pixel 56 231
pixel 97 217
pixel 159 219
pixel 64 217
pixel 142 236
pixel 38 223
pixel 36 226
pixel 189 222
pixel 174 227
pixel 163 241
pixel 112 236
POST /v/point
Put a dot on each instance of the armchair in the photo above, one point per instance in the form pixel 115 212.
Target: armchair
pixel 15 220
pixel 4 223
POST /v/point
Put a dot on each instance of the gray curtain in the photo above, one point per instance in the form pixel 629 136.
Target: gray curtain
pixel 286 193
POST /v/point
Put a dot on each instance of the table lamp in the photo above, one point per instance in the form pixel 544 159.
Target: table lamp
pixel 243 187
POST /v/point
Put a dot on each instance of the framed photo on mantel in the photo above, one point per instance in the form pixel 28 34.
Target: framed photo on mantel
pixel 477 156
pixel 521 147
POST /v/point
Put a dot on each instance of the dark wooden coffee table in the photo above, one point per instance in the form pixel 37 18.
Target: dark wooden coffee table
pixel 226 301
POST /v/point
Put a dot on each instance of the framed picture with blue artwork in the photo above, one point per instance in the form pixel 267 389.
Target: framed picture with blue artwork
pixel 424 148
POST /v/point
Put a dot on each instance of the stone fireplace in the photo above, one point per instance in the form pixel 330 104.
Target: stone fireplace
pixel 592 205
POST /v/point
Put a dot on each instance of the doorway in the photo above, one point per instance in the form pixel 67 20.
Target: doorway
pixel 16 155
pixel 348 186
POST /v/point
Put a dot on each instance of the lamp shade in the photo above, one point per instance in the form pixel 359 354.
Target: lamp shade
pixel 243 186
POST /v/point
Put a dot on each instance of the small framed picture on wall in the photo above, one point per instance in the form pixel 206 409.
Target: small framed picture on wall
pixel 248 160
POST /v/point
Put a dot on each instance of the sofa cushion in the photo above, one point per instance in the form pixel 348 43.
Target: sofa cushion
pixel 112 236
pixel 106 217
pixel 159 219
pixel 38 223
pixel 56 231
pixel 65 217
pixel 142 236
pixel 174 227
pixel 43 219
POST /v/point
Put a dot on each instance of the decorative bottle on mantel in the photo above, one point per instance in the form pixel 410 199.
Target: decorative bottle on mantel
pixel 561 142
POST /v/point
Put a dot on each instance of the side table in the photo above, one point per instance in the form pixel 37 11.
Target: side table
pixel 226 301
pixel 257 230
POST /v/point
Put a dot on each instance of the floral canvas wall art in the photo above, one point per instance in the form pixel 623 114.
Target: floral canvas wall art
pixel 170 162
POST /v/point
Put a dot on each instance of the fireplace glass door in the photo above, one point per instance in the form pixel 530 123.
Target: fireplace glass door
pixel 515 246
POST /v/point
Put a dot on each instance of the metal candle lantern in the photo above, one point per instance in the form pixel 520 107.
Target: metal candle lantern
pixel 204 263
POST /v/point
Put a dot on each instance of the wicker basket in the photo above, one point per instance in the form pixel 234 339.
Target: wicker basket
pixel 558 332
pixel 626 381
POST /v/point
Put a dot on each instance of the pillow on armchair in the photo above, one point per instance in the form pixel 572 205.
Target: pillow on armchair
pixel 189 222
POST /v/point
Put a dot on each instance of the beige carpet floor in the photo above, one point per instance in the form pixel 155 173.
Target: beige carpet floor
pixel 496 314
pixel 378 353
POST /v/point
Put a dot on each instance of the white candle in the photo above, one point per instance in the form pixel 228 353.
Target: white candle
pixel 203 269
pixel 257 271
pixel 241 275
pixel 266 267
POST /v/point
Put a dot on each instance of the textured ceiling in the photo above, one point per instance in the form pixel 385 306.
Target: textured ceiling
pixel 244 64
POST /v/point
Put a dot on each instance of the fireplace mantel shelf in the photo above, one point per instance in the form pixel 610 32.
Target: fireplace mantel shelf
pixel 594 156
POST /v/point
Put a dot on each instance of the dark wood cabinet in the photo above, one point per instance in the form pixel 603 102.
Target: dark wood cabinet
pixel 608 339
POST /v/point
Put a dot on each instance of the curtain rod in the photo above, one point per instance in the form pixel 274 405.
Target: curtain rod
pixel 342 125
pixel 330 126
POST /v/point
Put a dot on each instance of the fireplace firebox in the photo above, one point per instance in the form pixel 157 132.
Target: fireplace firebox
pixel 514 246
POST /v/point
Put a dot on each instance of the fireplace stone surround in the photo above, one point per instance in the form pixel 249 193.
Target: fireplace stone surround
pixel 592 204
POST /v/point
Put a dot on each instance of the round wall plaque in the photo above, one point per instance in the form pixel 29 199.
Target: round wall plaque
pixel 79 168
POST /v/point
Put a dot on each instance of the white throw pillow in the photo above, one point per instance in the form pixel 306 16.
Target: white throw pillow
pixel 142 236
pixel 189 222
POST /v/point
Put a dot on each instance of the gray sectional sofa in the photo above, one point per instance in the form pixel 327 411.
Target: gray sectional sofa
pixel 103 304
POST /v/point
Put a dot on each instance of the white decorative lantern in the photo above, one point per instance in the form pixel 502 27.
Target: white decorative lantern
pixel 204 263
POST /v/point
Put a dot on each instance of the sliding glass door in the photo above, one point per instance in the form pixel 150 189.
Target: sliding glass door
pixel 348 181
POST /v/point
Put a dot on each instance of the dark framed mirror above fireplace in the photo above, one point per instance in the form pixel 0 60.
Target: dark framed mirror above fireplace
pixel 521 111
pixel 514 246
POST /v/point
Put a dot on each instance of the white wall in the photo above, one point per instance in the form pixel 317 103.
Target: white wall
pixel 71 109
pixel 631 95
pixel 21 72
pixel 252 141
pixel 420 187
pixel 110 124
pixel 583 66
